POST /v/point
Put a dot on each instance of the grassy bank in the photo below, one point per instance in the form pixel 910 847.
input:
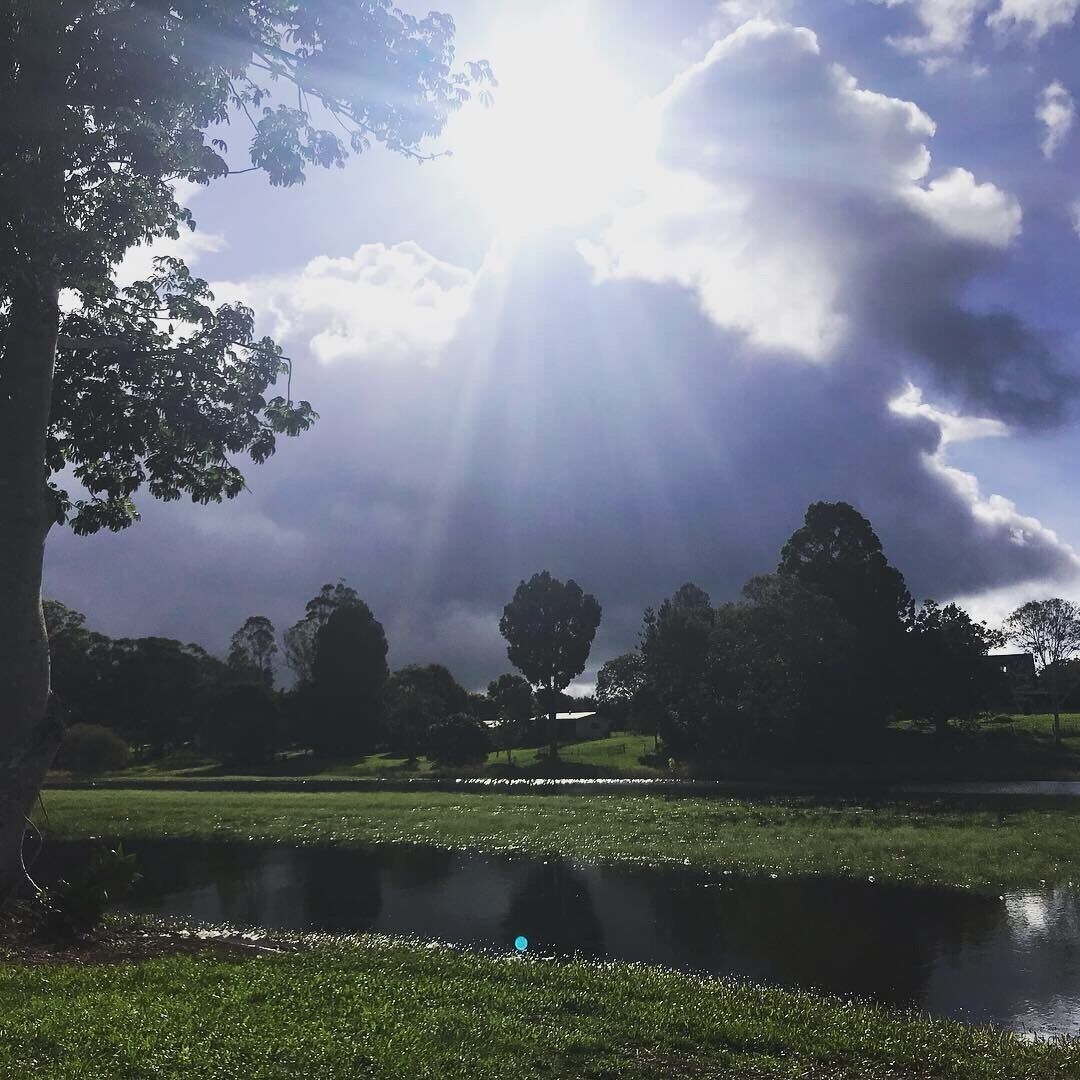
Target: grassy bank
pixel 904 842
pixel 375 1008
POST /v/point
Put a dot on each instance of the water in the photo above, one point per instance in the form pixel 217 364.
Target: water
pixel 1013 960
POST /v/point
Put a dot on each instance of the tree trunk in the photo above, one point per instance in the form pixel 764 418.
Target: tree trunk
pixel 29 736
pixel 553 723
pixel 29 732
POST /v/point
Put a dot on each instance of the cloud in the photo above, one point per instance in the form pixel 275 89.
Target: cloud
pixel 1037 17
pixel 1055 112
pixel 382 303
pixel 948 25
pixel 782 316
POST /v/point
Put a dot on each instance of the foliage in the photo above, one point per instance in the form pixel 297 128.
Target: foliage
pixel 620 684
pixel 790 655
pixel 300 637
pixel 244 725
pixel 949 678
pixel 108 104
pixel 72 909
pixel 458 739
pixel 90 750
pixel 512 698
pixel 549 626
pixel 251 651
pixel 688 689
pixel 416 697
pixel 348 679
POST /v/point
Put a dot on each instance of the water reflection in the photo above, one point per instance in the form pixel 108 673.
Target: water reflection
pixel 1014 959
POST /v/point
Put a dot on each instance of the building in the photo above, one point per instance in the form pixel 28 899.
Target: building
pixel 574 726
pixel 1019 687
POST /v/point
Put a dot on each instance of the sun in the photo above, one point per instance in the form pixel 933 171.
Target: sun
pixel 565 136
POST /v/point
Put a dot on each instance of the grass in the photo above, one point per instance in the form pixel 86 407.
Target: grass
pixel 1018 748
pixel 915 842
pixel 369 1007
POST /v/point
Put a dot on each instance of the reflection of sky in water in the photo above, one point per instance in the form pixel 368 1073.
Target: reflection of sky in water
pixel 1013 960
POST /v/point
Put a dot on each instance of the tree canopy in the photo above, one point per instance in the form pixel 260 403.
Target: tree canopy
pixel 549 626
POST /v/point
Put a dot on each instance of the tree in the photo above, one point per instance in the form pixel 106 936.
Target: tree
pixel 1050 631
pixel 837 553
pixel 514 703
pixel 416 697
pixel 300 637
pixel 550 626
pixel 458 740
pixel 252 649
pixel 244 725
pixel 348 678
pixel 949 678
pixel 618 684
pixel 106 104
pixel 684 680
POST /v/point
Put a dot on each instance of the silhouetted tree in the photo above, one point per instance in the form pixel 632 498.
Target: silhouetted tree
pixel 348 678
pixel 948 676
pixel 684 675
pixel 1050 631
pixel 252 649
pixel 837 553
pixel 618 684
pixel 458 740
pixel 513 703
pixel 106 102
pixel 300 637
pixel 244 725
pixel 416 697
pixel 550 626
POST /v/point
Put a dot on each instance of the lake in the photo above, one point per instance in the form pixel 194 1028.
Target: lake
pixel 1013 960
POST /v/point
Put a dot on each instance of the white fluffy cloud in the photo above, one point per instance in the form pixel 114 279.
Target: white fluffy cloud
pixel 947 25
pixel 1056 112
pixel 381 303
pixel 771 158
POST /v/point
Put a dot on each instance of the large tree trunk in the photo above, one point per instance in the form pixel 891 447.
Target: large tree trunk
pixel 28 735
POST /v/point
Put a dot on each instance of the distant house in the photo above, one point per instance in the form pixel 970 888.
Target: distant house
pixel 576 725
pixel 1019 688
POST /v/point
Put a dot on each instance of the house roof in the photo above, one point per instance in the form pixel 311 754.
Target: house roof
pixel 568 715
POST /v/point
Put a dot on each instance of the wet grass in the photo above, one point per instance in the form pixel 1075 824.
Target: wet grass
pixel 370 1007
pixel 909 841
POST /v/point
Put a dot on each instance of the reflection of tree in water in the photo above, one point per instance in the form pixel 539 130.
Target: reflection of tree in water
pixel 413 867
pixel 847 937
pixel 553 909
pixel 342 889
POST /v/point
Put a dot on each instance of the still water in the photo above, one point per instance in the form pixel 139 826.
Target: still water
pixel 1012 959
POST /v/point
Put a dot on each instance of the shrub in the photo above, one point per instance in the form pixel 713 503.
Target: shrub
pixel 458 740
pixel 90 750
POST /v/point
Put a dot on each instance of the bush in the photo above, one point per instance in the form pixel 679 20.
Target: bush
pixel 244 727
pixel 90 750
pixel 458 740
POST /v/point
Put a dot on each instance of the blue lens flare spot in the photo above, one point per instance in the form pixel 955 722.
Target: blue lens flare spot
pixel 521 943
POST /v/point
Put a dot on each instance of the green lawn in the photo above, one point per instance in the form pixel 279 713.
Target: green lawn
pixel 904 842
pixel 345 1009
pixel 1019 748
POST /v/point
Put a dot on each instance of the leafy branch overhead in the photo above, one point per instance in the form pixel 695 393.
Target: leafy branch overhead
pixel 109 104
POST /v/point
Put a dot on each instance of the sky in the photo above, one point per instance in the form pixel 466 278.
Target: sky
pixel 698 266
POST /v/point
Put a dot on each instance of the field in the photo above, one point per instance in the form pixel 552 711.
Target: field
pixel 350 1008
pixel 929 842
